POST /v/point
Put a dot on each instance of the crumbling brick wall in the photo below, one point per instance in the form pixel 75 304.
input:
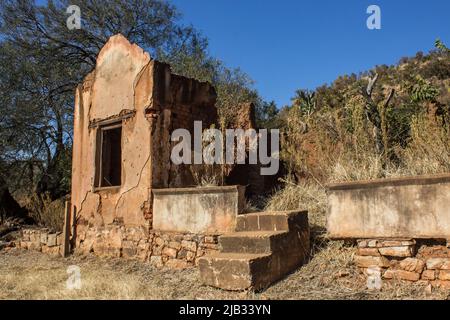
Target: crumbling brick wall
pixel 249 174
pixel 178 103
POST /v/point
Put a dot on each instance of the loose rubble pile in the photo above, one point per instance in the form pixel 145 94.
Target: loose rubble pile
pixel 406 259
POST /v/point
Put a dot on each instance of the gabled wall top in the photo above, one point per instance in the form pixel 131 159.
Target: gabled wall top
pixel 119 43
pixel 119 66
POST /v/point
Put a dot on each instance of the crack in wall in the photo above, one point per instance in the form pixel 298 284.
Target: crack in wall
pixel 159 94
pixel 136 82
pixel 81 207
pixel 137 185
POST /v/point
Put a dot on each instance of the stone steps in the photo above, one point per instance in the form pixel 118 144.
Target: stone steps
pixel 265 247
pixel 262 221
pixel 234 271
pixel 253 241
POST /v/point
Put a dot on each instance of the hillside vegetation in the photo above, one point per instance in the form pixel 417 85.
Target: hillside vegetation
pixel 389 121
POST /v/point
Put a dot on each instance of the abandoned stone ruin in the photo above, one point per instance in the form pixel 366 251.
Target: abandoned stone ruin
pixel 129 200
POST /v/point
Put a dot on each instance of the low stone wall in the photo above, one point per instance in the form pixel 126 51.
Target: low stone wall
pixel 42 240
pixel 409 207
pixel 170 249
pixel 405 259
pixel 198 210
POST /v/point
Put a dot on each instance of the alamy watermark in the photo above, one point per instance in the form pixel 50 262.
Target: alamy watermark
pixel 374 20
pixel 209 146
pixel 73 22
pixel 374 281
pixel 73 281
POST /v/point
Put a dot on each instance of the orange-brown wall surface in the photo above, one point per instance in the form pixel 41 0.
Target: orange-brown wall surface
pixel 151 101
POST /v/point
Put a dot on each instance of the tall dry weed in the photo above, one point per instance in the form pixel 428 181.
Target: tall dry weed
pixel 304 195
pixel 46 212
pixel 428 150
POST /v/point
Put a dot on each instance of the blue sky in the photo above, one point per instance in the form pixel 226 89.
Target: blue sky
pixel 289 44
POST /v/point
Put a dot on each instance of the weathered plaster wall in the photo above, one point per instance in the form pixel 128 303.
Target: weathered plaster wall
pixel 109 92
pixel 198 210
pixel 151 102
pixel 414 207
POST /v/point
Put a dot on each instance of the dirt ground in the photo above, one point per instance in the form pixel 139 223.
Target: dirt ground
pixel 329 275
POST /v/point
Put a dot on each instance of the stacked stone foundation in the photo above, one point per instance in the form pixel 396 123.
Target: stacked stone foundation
pixel 426 262
pixel 170 249
pixel 42 240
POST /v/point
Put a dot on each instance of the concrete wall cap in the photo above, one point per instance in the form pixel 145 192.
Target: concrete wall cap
pixel 197 190
pixel 376 183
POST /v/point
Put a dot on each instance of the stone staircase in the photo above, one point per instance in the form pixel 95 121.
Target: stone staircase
pixel 265 247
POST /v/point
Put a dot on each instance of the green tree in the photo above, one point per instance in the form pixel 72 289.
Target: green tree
pixel 41 63
pixel 422 90
pixel 441 46
pixel 267 115
pixel 306 101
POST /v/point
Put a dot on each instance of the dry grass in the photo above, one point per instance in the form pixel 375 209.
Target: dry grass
pixel 338 144
pixel 428 152
pixel 429 149
pixel 305 195
pixel 46 212
pixel 329 275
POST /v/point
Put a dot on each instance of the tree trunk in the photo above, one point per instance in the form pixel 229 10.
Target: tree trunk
pixel 51 180
pixel 377 119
